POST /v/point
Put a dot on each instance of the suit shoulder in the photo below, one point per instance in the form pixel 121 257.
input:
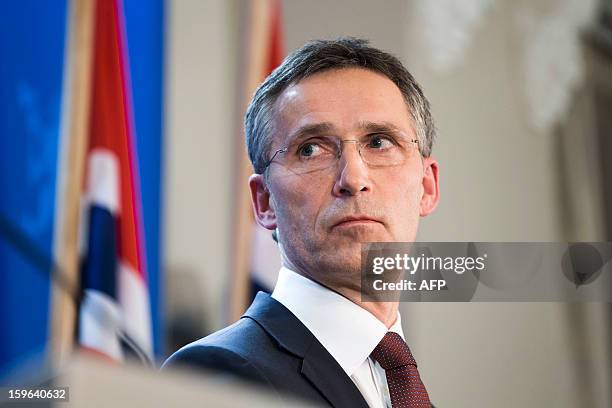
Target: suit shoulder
pixel 245 338
pixel 229 350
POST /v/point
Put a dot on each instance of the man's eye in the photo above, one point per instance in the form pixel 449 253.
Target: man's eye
pixel 309 150
pixel 380 142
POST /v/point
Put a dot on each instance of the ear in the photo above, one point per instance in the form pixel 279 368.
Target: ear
pixel 431 192
pixel 263 208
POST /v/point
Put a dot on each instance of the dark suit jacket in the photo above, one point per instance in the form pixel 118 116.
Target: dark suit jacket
pixel 270 346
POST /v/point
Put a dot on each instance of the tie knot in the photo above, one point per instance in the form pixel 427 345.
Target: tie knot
pixel 393 352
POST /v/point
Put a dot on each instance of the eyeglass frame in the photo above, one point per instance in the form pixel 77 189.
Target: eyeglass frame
pixel 341 142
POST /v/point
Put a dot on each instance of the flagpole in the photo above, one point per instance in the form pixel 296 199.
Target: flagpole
pixel 255 51
pixel 71 170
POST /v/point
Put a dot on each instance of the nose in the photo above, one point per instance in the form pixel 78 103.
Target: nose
pixel 353 176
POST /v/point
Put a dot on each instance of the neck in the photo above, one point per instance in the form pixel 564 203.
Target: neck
pixel 386 312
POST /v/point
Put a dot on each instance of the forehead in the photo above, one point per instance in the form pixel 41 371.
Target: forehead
pixel 344 98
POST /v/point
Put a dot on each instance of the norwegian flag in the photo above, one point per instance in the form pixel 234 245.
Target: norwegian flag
pixel 114 317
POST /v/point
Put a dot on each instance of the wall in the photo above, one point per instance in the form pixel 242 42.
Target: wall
pixel 200 83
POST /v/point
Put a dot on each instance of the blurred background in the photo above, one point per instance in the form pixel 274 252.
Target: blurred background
pixel 521 93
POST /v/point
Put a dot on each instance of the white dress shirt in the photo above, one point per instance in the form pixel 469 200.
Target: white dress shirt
pixel 347 331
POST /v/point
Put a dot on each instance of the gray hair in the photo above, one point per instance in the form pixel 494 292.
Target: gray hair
pixel 323 55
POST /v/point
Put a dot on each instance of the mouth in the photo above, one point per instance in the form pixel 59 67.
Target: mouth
pixel 354 221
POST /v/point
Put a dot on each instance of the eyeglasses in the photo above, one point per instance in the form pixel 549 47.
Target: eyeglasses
pixel 319 153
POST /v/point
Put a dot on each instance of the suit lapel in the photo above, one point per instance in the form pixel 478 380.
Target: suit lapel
pixel 329 378
pixel 318 366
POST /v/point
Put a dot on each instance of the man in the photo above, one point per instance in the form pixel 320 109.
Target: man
pixel 340 137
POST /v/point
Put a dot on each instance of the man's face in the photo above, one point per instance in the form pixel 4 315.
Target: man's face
pixel 325 215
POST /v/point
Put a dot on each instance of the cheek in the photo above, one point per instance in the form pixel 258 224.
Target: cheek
pixel 404 195
pixel 405 185
pixel 301 201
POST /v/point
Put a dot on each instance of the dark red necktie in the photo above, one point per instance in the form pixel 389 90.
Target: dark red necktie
pixel 405 385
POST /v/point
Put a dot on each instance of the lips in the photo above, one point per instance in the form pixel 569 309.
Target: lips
pixel 355 220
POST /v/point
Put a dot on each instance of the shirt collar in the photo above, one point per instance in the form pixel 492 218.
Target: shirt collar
pixel 347 331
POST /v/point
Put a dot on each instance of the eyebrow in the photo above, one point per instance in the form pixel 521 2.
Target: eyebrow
pixel 383 127
pixel 325 128
pixel 315 129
